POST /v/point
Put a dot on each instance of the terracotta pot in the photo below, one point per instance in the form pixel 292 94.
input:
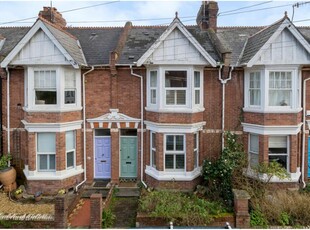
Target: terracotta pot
pixel 18 196
pixel 8 176
pixel 38 198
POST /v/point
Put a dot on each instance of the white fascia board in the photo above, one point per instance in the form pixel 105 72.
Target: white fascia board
pixel 38 25
pixel 174 128
pixel 176 23
pixel 52 127
pixel 172 176
pixel 271 130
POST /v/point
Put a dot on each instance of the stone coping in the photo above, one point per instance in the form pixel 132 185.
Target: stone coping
pixel 26 217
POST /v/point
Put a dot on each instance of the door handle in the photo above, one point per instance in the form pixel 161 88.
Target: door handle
pixel 128 163
pixel 103 161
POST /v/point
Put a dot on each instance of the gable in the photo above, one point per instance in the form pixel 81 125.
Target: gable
pixel 39 50
pixel 176 49
pixel 285 49
pixel 176 45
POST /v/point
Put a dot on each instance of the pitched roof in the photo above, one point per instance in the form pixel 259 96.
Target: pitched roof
pixel 97 43
pixel 12 36
pixel 256 41
pixel 68 42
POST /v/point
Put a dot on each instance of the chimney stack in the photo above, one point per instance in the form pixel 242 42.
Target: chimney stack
pixel 52 15
pixel 207 15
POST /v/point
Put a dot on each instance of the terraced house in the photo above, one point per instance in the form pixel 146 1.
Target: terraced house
pixel 150 103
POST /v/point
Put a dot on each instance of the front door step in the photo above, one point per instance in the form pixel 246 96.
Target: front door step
pixel 127 192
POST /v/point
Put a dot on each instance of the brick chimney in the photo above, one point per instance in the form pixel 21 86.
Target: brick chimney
pixel 52 15
pixel 207 15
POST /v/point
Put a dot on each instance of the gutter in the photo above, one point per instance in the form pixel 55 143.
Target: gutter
pixel 303 134
pixel 224 81
pixel 142 122
pixel 84 127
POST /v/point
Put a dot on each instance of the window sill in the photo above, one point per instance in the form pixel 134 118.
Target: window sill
pixel 293 177
pixel 271 110
pixel 46 109
pixel 175 110
pixel 57 175
pixel 172 176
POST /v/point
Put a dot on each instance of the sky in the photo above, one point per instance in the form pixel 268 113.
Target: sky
pixel 117 12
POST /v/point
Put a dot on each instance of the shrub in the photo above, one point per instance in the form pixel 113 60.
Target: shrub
pixel 218 174
pixel 184 209
pixel 107 218
pixel 257 219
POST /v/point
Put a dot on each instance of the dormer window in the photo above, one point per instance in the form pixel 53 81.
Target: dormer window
pixel 175 89
pixel 52 89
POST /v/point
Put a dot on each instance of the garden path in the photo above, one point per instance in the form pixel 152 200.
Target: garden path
pixel 80 217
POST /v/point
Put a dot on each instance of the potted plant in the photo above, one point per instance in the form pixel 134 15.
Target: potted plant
pixel 38 196
pixel 18 193
pixel 7 172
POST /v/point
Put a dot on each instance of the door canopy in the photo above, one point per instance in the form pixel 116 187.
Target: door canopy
pixel 120 120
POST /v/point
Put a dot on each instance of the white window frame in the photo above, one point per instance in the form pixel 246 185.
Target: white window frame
pixel 189 106
pixel 174 153
pixel 61 106
pixel 70 88
pixel 295 106
pixel 176 89
pixel 251 151
pixel 255 73
pixel 71 150
pixel 38 154
pixel 152 150
pixel 282 154
pixel 196 150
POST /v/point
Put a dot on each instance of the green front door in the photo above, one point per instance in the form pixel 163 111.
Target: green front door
pixel 128 157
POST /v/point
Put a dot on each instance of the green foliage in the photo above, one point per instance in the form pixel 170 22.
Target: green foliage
pixel 107 218
pixel 218 175
pixel 4 161
pixel 258 219
pixel 271 169
pixel 181 208
pixel 284 219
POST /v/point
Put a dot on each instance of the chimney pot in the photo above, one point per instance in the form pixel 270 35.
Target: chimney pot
pixel 207 15
pixel 52 15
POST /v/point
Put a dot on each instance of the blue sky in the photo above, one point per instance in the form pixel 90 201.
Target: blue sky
pixel 116 13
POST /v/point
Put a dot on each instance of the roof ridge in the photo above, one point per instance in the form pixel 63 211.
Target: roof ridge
pixel 239 27
pixel 94 27
pixel 57 27
pixel 150 26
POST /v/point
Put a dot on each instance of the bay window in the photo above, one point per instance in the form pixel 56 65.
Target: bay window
pixel 52 89
pixel 174 152
pixel 46 151
pixel 272 90
pixel 171 89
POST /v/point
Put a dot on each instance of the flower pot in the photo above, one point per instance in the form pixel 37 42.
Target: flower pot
pixel 8 176
pixel 37 198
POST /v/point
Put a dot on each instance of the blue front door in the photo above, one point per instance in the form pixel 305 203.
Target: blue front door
pixel 102 157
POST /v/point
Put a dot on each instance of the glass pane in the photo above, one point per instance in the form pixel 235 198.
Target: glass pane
pixel 255 97
pixel 153 82
pixel 181 97
pixel 279 97
pixel 45 79
pixel 176 79
pixel 180 162
pixel 42 162
pixel 196 79
pixel 70 81
pixel 102 132
pixel 169 142
pixel 52 162
pixel 70 159
pixel 46 142
pixel 46 97
pixel 153 158
pixel 179 143
pixel 169 161
pixel 153 96
pixel 197 97
pixel 70 97
pixel 153 140
pixel 170 97
pixel 277 142
pixel 195 159
pixel 253 159
pixel 70 140
pixel 282 160
pixel 254 143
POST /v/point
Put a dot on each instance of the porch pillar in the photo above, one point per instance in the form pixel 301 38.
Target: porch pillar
pixel 115 155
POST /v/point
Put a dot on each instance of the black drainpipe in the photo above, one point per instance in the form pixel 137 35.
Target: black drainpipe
pixel 1 131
